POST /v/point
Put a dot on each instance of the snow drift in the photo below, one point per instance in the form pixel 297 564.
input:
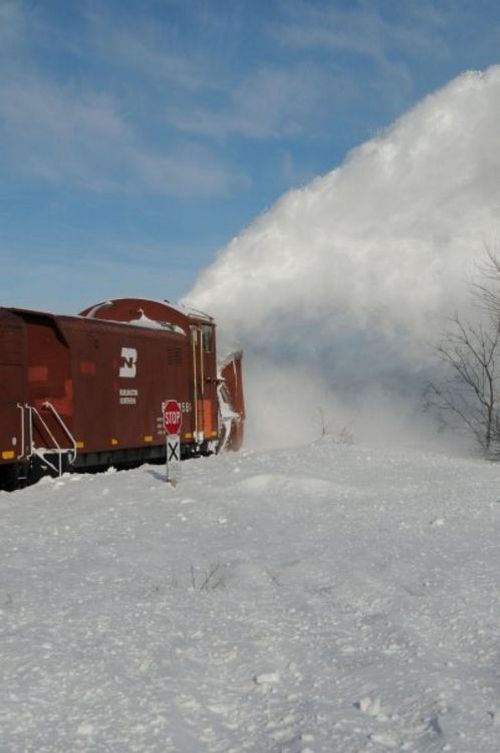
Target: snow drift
pixel 350 276
pixel 322 599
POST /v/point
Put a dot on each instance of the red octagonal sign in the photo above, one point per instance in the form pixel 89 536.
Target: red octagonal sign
pixel 172 416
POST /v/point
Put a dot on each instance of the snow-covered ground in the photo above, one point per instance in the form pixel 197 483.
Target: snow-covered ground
pixel 326 598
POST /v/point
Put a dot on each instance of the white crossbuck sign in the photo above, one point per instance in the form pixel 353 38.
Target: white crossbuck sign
pixel 173 458
pixel 173 449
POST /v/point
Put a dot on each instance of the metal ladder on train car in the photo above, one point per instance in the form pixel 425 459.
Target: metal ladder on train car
pixel 30 450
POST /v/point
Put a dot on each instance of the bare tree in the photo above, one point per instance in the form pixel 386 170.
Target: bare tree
pixel 487 291
pixel 471 390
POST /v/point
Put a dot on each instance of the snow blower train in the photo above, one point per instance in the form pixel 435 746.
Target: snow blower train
pixel 86 392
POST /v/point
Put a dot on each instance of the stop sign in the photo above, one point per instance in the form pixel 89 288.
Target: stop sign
pixel 172 416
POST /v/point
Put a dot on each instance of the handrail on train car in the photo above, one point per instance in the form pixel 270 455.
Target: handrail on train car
pixel 23 448
pixel 42 452
pixel 63 426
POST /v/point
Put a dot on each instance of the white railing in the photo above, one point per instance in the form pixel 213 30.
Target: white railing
pixel 73 449
pixel 29 449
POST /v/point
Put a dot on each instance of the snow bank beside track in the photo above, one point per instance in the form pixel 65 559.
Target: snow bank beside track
pixel 323 598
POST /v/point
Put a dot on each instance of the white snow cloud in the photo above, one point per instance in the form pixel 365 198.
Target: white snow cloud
pixel 353 273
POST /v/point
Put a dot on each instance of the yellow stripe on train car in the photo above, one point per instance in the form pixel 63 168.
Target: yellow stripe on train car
pixel 8 454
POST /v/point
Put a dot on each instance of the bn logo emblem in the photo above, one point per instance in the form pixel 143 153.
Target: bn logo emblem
pixel 129 363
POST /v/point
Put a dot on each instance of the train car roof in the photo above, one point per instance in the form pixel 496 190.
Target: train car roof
pixel 146 312
pixel 61 320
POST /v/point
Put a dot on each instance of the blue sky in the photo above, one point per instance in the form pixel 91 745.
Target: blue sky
pixel 137 137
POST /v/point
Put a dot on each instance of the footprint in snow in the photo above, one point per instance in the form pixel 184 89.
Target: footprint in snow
pixel 372 707
pixel 267 678
pixel 386 740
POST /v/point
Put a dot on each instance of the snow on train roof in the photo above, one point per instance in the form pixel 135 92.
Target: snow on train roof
pixel 144 321
pixel 185 311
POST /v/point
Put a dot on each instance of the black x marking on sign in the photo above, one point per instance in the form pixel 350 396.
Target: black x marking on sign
pixel 173 450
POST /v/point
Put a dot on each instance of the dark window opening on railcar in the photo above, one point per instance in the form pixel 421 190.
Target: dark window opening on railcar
pixel 174 356
pixel 207 336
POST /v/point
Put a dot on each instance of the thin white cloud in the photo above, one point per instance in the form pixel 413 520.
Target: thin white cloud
pixel 363 29
pixel 270 103
pixel 63 134
pixel 23 26
pixel 145 50
pixel 364 32
pixel 76 132
pixel 327 33
pixel 302 95
pixel 10 21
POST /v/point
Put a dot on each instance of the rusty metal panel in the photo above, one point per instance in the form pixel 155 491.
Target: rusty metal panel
pixel 200 370
pixel 48 377
pixel 121 376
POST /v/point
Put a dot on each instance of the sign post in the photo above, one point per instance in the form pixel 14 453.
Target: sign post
pixel 172 419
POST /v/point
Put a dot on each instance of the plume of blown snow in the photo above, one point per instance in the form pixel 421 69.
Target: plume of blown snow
pixel 341 285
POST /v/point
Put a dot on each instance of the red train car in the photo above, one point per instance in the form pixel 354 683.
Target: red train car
pixel 85 392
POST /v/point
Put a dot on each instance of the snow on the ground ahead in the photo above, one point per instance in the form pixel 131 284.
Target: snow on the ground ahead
pixel 326 598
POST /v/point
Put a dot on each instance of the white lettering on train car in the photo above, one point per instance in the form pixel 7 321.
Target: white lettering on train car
pixel 129 363
pixel 128 397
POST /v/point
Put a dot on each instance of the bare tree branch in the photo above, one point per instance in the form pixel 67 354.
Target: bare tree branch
pixel 471 391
